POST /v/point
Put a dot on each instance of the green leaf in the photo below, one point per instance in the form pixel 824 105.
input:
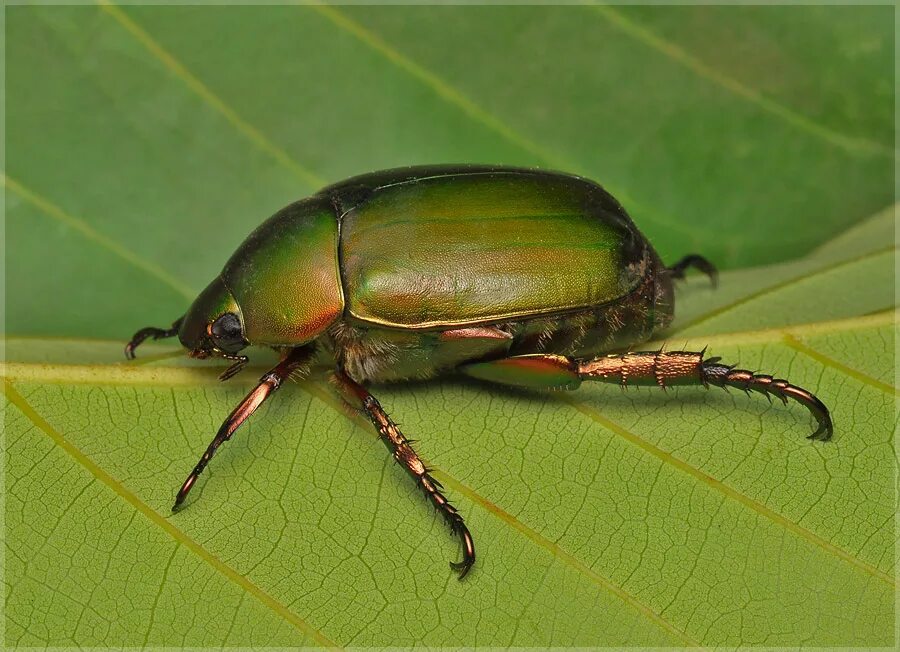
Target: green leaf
pixel 144 143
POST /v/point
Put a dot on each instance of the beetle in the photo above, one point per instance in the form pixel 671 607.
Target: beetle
pixel 517 276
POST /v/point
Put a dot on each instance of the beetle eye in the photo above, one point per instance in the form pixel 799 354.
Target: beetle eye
pixel 227 333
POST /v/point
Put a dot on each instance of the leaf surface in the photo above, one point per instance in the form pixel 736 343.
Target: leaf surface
pixel 143 143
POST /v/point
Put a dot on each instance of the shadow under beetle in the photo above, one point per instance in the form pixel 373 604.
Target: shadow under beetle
pixel 516 276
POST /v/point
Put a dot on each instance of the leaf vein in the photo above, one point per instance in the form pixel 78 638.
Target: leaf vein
pixel 731 492
pixel 786 283
pixel 57 213
pixel 177 534
pixel 793 342
pixel 190 80
pixel 325 396
pixel 850 144
pixel 162 584
pixel 455 97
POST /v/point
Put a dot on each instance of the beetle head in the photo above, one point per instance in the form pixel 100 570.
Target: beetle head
pixel 213 325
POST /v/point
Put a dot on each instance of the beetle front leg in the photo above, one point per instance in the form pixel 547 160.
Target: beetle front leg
pixel 295 360
pixel 400 448
pixel 155 333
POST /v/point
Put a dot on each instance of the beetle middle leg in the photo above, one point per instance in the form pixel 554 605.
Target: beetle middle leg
pixel 295 360
pixel 399 445
pixel 654 368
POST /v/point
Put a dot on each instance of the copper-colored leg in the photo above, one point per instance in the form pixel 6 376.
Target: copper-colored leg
pixel 659 368
pixel 665 368
pixel 400 448
pixel 271 381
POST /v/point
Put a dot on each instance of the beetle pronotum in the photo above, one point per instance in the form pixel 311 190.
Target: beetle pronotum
pixel 514 276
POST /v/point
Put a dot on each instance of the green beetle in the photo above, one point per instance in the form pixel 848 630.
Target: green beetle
pixel 517 276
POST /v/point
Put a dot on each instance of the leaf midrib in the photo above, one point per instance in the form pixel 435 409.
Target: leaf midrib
pixel 759 336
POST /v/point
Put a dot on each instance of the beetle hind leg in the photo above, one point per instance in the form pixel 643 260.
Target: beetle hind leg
pixel 654 368
pixel 720 375
pixel 402 451
pixel 697 262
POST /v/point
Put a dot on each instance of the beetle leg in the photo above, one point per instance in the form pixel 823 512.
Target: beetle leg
pixel 270 381
pixel 400 448
pixel 539 371
pixel 659 368
pixel 155 333
pixel 698 262
pixel 664 368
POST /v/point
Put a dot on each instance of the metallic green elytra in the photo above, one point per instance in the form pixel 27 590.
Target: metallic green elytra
pixel 509 275
pixel 519 245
